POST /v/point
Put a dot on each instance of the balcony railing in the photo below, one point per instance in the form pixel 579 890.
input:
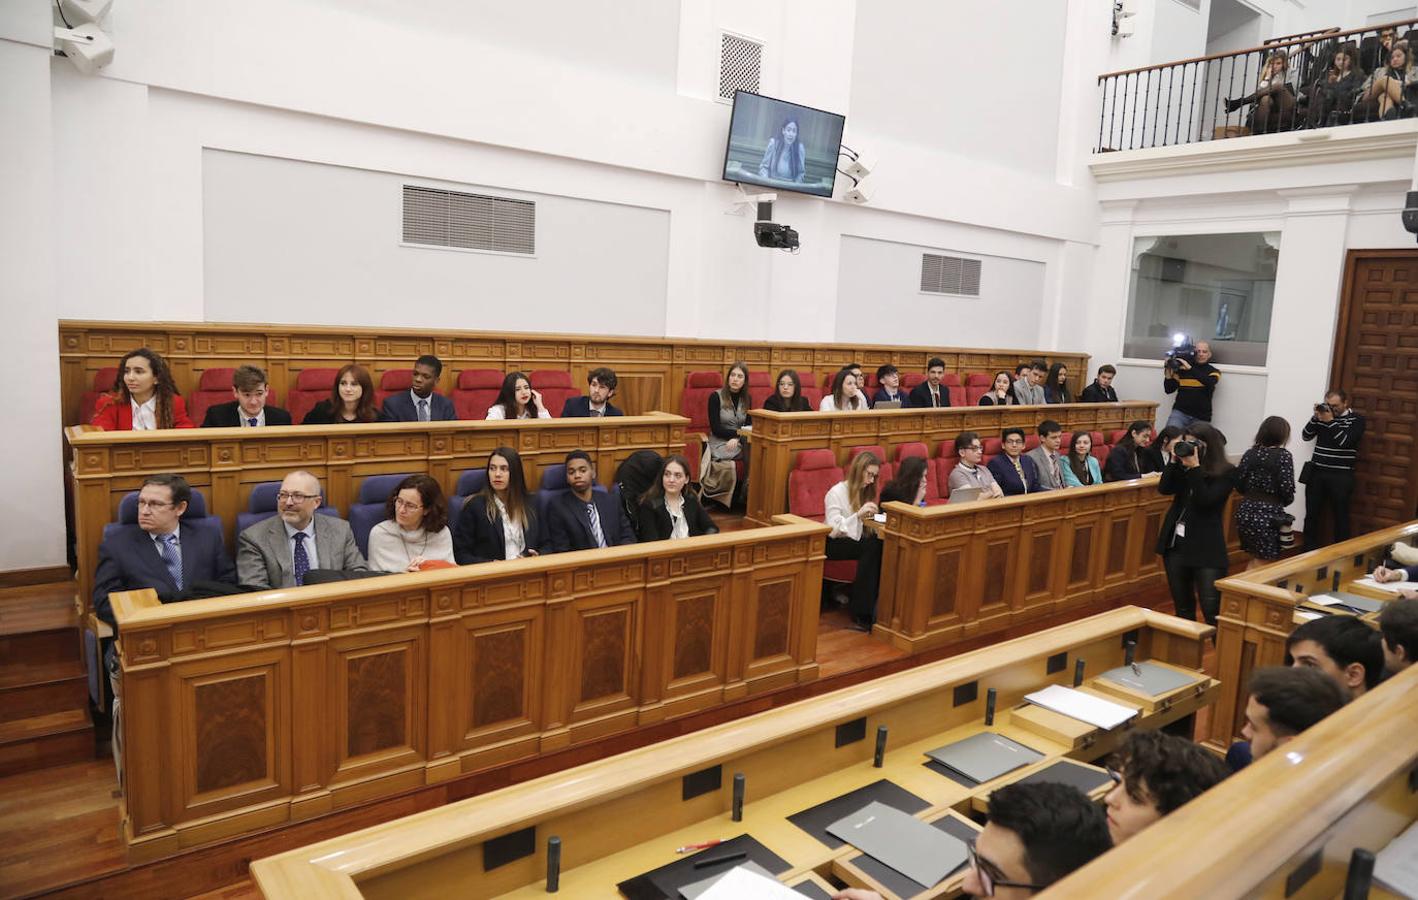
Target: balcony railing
pixel 1187 101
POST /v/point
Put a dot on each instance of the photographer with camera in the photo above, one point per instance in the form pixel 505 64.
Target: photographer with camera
pixel 1329 476
pixel 1192 543
pixel 1189 374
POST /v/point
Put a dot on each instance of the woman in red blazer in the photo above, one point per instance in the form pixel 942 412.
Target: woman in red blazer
pixel 144 381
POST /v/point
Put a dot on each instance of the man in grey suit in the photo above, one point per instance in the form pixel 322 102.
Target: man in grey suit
pixel 279 551
pixel 1046 455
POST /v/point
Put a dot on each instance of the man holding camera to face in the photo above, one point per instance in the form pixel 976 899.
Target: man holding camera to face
pixel 1189 374
pixel 1329 476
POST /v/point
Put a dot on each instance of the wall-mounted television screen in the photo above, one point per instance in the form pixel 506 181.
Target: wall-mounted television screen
pixel 782 145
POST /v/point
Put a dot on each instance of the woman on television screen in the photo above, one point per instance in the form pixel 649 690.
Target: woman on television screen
pixel 786 157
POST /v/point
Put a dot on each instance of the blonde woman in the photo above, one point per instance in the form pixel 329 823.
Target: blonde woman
pixel 1274 97
pixel 851 506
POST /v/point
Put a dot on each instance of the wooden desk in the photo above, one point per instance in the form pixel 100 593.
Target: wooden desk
pixel 964 569
pixel 225 463
pixel 1258 613
pixel 624 815
pixel 248 711
pixel 777 438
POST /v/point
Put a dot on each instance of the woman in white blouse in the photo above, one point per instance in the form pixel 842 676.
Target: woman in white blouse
pixel 668 511
pixel 846 395
pixel 416 535
pixel 501 521
pixel 517 400
pixel 850 507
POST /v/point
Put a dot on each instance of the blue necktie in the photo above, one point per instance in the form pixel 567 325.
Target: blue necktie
pixel 251 421
pixel 171 557
pixel 302 559
pixel 423 410
pixel 595 517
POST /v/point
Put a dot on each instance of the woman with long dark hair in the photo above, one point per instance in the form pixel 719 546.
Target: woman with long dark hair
pixel 500 521
pixel 1192 542
pixel 415 534
pixel 846 395
pixel 1080 467
pixel 909 484
pixel 1266 481
pixel 1056 385
pixel 351 400
pixel 144 396
pixel 788 395
pixel 668 511
pixel 517 400
pixel 1129 457
pixel 999 393
pixel 1161 447
pixel 785 158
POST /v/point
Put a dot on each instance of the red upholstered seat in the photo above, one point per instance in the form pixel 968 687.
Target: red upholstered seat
pixel 311 386
pixel 392 382
pixel 1030 442
pixel 854 452
pixel 977 385
pixel 555 387
pixel 910 379
pixel 912 448
pixel 102 384
pixel 945 462
pixel 813 475
pixel 888 472
pixel 1115 436
pixel 813 395
pixel 213 387
pixel 694 406
pixel 760 388
pixel 954 388
pixel 476 390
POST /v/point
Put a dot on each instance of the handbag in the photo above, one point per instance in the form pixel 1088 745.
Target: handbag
pixel 1306 471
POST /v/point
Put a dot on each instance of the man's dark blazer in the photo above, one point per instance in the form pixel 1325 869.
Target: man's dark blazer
pixel 477 540
pixel 400 408
pixel 902 396
pixel 129 560
pixel 920 396
pixel 1008 479
pixel 571 530
pixel 229 415
pixel 580 408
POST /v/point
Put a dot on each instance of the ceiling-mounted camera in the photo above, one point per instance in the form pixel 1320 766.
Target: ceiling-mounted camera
pixel 769 233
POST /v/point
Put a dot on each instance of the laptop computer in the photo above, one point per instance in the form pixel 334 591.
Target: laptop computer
pixel 985 756
pixel 887 404
pixel 964 495
pixel 1149 678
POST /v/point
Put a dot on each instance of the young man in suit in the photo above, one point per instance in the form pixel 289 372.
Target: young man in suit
pixel 931 393
pixel 1047 461
pixel 889 377
pixel 249 409
pixel 422 403
pixel 600 385
pixel 1036 834
pixel 161 552
pixel 582 519
pixel 1283 703
pixel 281 550
pixel 1101 390
pixel 1014 472
pixel 1343 648
pixel 1029 388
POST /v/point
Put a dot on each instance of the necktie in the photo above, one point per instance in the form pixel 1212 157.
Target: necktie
pixel 595 518
pixel 423 410
pixel 935 397
pixel 1054 464
pixel 1019 467
pixel 251 421
pixel 171 557
pixel 302 559
pixel 595 413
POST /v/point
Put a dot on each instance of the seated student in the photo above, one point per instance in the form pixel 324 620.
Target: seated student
pixel 1036 834
pixel 162 553
pixel 1080 465
pixel 1056 388
pixel 517 400
pixel 1048 461
pixel 849 505
pixel 1013 471
pixel 969 480
pixel 422 403
pixel 856 370
pixel 1101 390
pixel 582 519
pixel 1398 624
pixel 415 535
pixel 600 388
pixel 846 395
pixel 1343 648
pixel 1402 565
pixel 351 400
pixel 1161 447
pixel 668 511
pixel 889 377
pixel 249 409
pixel 909 485
pixel 1021 376
pixel 999 393
pixel 144 397
pixel 1153 774
pixel 500 521
pixel 1284 702
pixel 282 550
pixel 789 395
pixel 1129 457
pixel 931 393
pixel 1029 389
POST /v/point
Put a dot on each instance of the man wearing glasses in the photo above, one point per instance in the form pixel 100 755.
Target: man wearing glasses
pixel 970 480
pixel 282 551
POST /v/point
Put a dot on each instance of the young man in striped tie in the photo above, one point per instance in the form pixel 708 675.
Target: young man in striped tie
pixel 583 518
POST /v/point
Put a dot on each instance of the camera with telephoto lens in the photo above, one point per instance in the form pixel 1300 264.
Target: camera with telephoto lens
pixel 1183 449
pixel 1182 349
pixel 1324 408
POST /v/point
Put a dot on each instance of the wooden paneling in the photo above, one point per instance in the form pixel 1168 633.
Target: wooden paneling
pixel 249 711
pixel 651 370
pixel 778 438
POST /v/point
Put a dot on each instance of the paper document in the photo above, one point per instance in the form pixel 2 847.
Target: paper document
pixel 919 851
pixel 1392 587
pixel 697 890
pixel 1085 707
pixel 1396 867
pixel 1305 615
pixel 879 517
pixel 742 884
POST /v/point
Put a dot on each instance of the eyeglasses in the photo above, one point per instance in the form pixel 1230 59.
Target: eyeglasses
pixel 973 447
pixel 154 504
pixel 989 874
pixel 401 503
pixel 295 497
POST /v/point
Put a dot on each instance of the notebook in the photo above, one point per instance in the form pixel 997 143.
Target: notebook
pixel 1088 708
pixel 1349 601
pixel 914 848
pixel 1149 678
pixel 887 404
pixel 986 756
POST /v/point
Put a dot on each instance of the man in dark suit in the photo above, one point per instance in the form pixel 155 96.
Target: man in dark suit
pixel 161 552
pixel 1014 472
pixel 582 519
pixel 931 393
pixel 282 550
pixel 249 409
pixel 421 403
pixel 601 383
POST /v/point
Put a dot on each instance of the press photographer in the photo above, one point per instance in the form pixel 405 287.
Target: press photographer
pixel 1329 475
pixel 1192 542
pixel 1189 374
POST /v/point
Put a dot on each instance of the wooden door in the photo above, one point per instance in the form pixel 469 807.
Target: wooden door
pixel 1376 359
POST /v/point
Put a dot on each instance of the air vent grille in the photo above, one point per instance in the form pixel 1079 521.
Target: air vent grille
pixel 950 275
pixel 441 218
pixel 740 65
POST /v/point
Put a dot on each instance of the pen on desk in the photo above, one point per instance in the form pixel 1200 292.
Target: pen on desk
pixel 714 861
pixel 688 848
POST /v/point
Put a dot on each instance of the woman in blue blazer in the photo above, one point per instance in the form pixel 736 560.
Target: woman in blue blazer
pixel 1080 465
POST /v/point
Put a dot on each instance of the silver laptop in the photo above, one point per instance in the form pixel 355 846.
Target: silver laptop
pixel 1149 678
pixel 985 756
pixel 887 404
pixel 964 494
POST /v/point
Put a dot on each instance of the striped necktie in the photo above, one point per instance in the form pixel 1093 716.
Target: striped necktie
pixel 171 557
pixel 423 410
pixel 594 515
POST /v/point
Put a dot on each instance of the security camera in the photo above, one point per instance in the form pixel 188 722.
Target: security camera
pixel 858 194
pixel 775 236
pixel 88 48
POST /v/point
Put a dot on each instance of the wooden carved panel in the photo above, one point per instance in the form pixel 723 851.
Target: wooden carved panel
pixel 1118 546
pixel 376 699
pixel 1041 549
pixel 775 612
pixel 232 719
pixel 693 635
pixel 996 572
pixel 605 638
pixel 1082 552
pixel 947 582
pixel 499 675
pixel 1147 547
